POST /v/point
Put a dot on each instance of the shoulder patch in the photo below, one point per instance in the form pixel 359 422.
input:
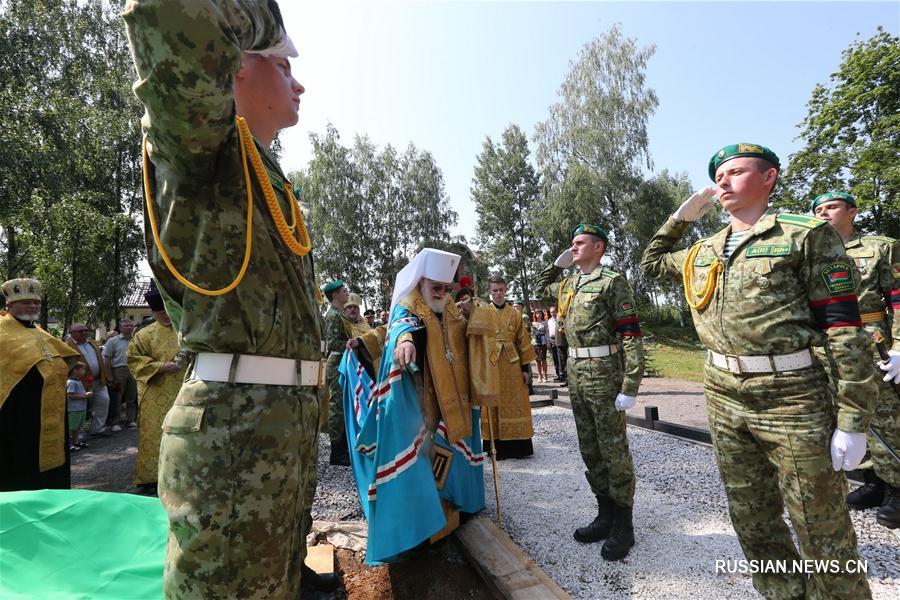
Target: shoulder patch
pixel 895 269
pixel 800 220
pixel 838 278
pixel 609 274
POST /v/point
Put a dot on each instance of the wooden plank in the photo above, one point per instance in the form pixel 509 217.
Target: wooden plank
pixel 320 558
pixel 506 569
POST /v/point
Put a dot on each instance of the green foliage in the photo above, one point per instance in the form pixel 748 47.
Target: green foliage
pixel 677 352
pixel 371 210
pixel 852 136
pixel 594 145
pixel 506 191
pixel 69 155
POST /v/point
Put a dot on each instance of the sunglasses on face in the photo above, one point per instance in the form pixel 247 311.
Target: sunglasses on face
pixel 440 287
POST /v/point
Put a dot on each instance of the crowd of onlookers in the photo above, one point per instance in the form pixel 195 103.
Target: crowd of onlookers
pixel 545 339
pixel 100 390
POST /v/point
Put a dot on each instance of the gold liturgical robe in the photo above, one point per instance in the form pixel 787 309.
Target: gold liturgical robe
pixel 27 347
pixel 149 350
pixel 446 374
pixel 509 348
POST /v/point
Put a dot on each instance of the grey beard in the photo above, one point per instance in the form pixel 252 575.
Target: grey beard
pixel 30 317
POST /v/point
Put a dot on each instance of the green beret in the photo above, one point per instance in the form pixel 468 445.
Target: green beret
pixel 833 195
pixel 737 150
pixel 591 229
pixel 333 285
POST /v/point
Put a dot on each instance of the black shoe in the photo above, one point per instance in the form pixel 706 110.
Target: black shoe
pixel 600 526
pixel 321 582
pixel 565 383
pixel 339 455
pixel 621 537
pixel 147 489
pixel 869 495
pixel 889 513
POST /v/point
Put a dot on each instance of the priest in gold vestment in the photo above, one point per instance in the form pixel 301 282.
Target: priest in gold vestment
pixel 33 363
pixel 152 361
pixel 511 354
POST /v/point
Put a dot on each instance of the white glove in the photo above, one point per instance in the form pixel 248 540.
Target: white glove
pixel 847 449
pixel 564 260
pixel 891 366
pixel 624 402
pixel 284 48
pixel 696 206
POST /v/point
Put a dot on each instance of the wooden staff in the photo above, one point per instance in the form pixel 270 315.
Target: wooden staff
pixel 494 465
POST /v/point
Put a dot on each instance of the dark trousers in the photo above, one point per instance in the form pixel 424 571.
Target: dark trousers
pixel 554 354
pixel 560 358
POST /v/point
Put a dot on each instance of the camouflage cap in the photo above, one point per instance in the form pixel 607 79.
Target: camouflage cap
pixel 22 289
pixel 738 150
pixel 591 229
pixel 333 285
pixel 832 195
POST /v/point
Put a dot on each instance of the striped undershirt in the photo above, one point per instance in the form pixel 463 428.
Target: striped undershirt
pixel 733 241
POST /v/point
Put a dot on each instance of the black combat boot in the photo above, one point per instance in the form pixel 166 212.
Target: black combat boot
pixel 621 537
pixel 321 582
pixel 869 495
pixel 600 526
pixel 339 455
pixel 889 513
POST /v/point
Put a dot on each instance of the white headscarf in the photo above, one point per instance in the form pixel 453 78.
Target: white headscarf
pixel 436 265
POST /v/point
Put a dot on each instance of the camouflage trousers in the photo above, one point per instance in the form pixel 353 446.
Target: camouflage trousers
pixel 887 424
pixel 772 439
pixel 593 385
pixel 336 426
pixel 237 477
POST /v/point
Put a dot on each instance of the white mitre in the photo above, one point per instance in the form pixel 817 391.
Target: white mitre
pixel 436 265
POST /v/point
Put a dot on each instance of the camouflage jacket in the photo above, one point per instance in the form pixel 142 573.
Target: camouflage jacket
pixel 186 54
pixel 878 261
pixel 337 331
pixel 601 312
pixel 786 286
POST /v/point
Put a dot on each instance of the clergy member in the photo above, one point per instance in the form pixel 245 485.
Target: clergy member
pixel 512 356
pixel 154 361
pixel 416 436
pixel 33 436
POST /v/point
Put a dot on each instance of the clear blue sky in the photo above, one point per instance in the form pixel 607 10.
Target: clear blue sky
pixel 443 75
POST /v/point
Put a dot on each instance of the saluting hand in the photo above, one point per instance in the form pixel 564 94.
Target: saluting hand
pixel 564 260
pixel 696 206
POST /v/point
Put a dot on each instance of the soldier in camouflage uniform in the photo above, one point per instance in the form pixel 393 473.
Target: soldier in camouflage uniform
pixel 237 471
pixel 878 261
pixel 601 322
pixel 763 291
pixel 337 332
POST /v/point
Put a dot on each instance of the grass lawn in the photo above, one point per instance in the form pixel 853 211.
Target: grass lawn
pixel 677 352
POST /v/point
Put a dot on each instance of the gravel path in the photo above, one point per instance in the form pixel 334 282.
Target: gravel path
pixel 681 520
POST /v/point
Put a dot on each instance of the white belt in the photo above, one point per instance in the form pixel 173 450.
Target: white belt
pixel 592 351
pixel 774 363
pixel 262 370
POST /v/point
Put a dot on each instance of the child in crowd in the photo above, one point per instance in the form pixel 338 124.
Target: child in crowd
pixel 76 405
